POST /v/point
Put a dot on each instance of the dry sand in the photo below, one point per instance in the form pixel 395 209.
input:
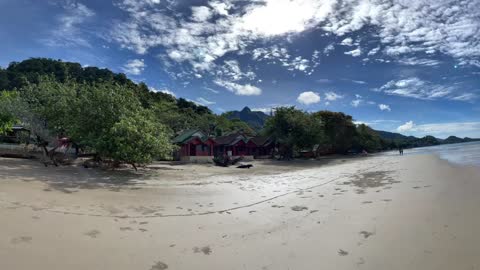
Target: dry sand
pixel 383 212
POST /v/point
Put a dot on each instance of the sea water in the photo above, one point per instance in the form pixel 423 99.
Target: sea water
pixel 459 153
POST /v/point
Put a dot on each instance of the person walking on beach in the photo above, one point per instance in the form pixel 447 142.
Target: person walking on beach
pixel 400 151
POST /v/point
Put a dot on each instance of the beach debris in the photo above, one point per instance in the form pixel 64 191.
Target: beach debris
pixel 342 252
pixel 299 208
pixel 159 266
pixel 277 206
pixel 245 166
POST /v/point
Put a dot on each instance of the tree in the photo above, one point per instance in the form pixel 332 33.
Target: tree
pixel 367 139
pixel 293 130
pixel 135 139
pixel 7 117
pixel 339 130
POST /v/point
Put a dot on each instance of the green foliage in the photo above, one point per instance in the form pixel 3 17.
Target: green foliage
pixel 367 139
pixel 339 130
pixel 294 130
pixel 7 117
pixel 135 139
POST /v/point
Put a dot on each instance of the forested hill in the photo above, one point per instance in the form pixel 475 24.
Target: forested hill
pixel 255 119
pixel 19 74
pixel 411 141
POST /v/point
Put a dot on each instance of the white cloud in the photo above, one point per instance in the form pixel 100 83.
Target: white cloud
pixel 204 101
pixel 465 97
pixel 373 51
pixel 347 42
pixel 275 54
pixel 330 48
pixel 212 90
pixel 354 53
pixel 231 70
pixel 165 91
pixel 403 28
pixel 406 27
pixel 69 32
pixel 413 61
pixel 359 82
pixel 356 102
pixel 408 126
pixel 442 130
pixel 264 110
pixel 384 107
pixel 239 89
pixel 201 13
pixel 416 88
pixel 134 67
pixel 278 17
pixel 308 98
pixel 332 96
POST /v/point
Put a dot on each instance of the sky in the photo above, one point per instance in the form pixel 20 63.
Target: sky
pixel 409 66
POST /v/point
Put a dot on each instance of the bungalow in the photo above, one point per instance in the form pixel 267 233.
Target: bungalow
pixel 261 147
pixel 233 145
pixel 195 146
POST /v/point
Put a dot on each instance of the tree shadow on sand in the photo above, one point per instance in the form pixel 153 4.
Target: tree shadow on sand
pixel 69 179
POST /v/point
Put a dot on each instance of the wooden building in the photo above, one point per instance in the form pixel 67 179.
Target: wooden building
pixel 195 146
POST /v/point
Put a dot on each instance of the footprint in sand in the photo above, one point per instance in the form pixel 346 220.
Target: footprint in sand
pixel 342 252
pixel 21 239
pixel 366 234
pixel 205 250
pixel 93 233
pixel 159 266
pixel 299 208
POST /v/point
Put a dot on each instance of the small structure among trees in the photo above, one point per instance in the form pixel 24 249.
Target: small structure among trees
pixel 194 146
pixel 232 145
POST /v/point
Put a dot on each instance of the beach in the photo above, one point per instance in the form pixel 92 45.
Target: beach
pixel 376 212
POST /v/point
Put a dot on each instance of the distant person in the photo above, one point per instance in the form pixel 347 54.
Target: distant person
pixel 400 151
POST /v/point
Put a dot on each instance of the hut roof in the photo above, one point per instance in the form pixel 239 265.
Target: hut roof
pixel 188 135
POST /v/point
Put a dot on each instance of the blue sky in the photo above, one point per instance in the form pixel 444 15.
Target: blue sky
pixel 411 66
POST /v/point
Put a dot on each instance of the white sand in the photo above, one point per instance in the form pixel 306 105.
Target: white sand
pixel 410 212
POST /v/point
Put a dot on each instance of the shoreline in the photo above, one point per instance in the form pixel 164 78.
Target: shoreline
pixel 342 215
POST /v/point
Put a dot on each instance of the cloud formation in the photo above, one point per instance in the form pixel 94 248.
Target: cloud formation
pixel 442 129
pixel 308 98
pixel 239 89
pixel 69 32
pixel 134 67
pixel 415 87
pixel 332 96
pixel 384 107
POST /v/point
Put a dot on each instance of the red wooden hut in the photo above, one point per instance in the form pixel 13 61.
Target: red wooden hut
pixel 195 146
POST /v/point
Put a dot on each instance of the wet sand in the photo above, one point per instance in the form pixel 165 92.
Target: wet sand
pixel 382 212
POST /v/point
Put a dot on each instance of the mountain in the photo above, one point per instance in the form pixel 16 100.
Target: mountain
pixel 411 141
pixel 254 119
pixel 391 135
